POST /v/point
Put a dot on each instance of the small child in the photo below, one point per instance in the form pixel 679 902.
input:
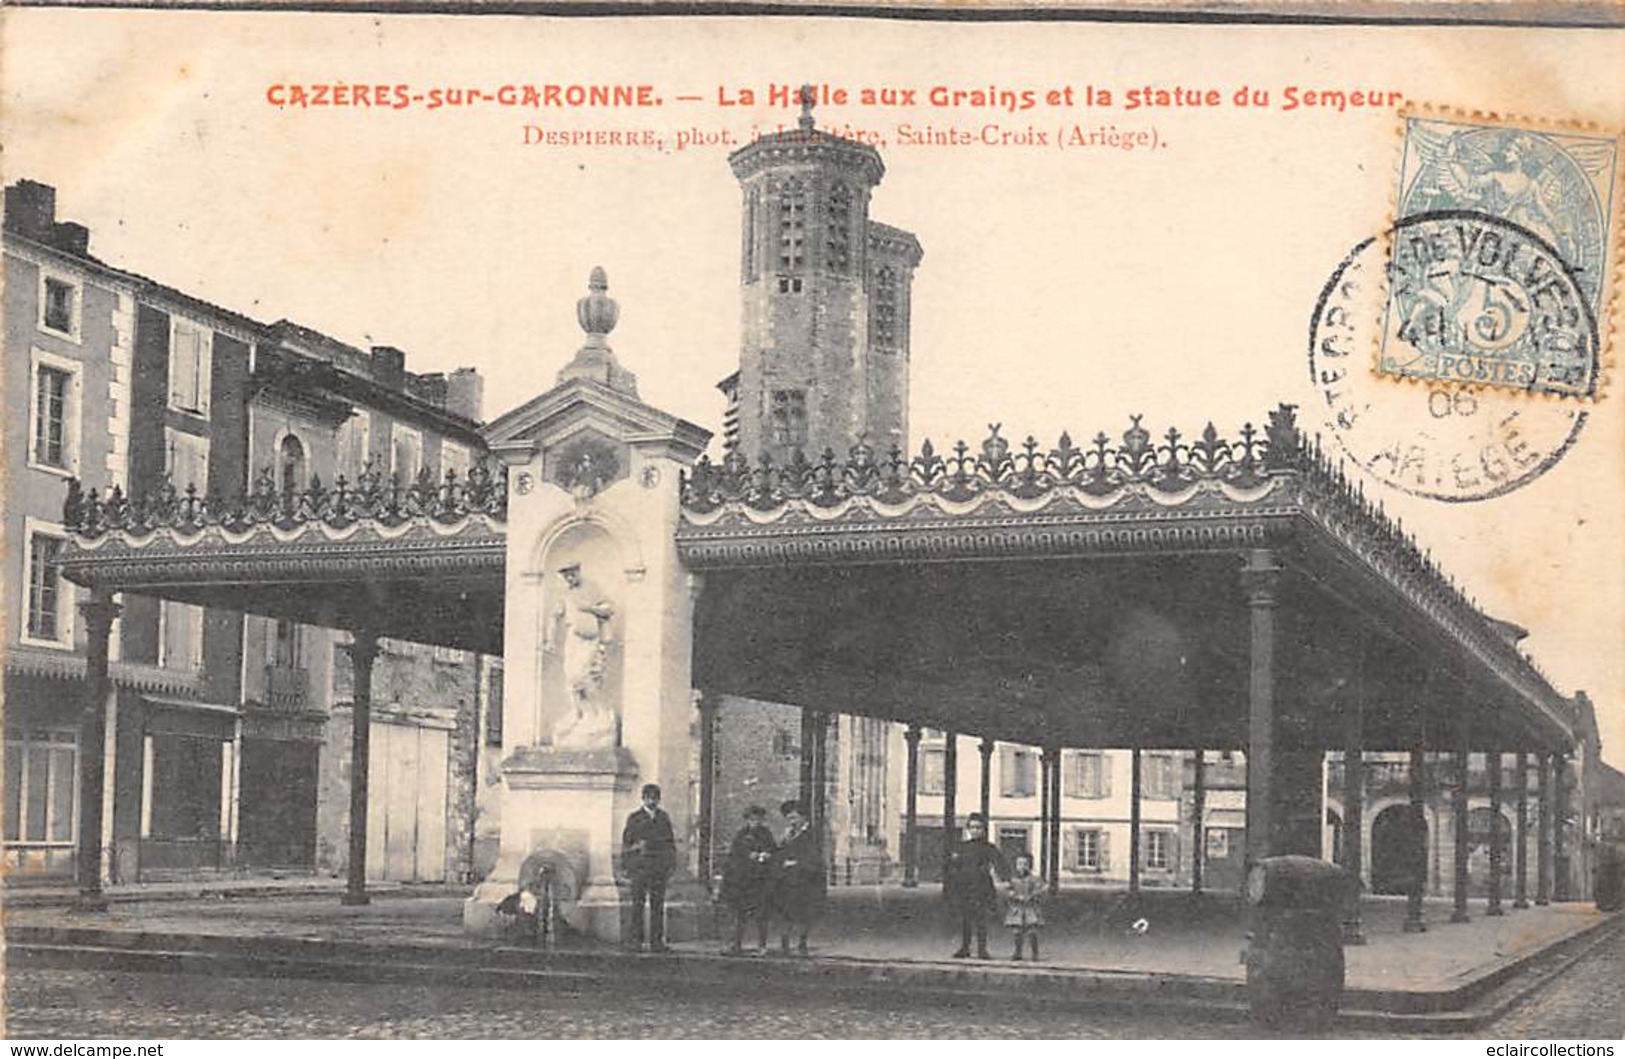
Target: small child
pixel 522 910
pixel 1024 906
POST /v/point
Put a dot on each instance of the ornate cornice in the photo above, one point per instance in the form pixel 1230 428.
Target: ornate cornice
pixel 1130 497
pixel 795 147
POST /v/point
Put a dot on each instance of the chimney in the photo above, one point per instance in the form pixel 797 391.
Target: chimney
pixel 430 388
pixel 72 237
pixel 31 209
pixel 465 394
pixel 389 366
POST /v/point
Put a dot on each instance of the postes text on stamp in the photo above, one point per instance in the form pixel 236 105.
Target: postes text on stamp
pixel 1504 285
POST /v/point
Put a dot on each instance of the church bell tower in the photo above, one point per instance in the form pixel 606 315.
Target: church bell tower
pixel 825 293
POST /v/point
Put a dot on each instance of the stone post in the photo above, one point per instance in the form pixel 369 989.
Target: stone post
pixel 1055 820
pixel 1044 778
pixel 99 613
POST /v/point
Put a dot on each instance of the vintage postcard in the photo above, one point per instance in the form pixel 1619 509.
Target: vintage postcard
pixel 956 523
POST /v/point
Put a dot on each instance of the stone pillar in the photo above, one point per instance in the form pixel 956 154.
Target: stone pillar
pixel 99 613
pixel 1492 762
pixel 1458 814
pixel 708 771
pixel 1415 920
pixel 1135 780
pixel 1198 821
pixel 1354 827
pixel 1543 852
pixel 950 797
pixel 911 832
pixel 1260 579
pixel 363 652
pixel 1520 859
pixel 985 747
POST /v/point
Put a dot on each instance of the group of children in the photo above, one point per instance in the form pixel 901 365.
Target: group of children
pixel 774 878
pixel 770 878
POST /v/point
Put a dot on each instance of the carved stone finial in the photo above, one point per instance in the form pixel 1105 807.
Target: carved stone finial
pixel 598 313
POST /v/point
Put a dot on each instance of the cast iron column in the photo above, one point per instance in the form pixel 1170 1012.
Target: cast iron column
pixel 1354 829
pixel 819 807
pixel 911 835
pixel 1560 814
pixel 99 613
pixel 986 749
pixel 1415 922
pixel 950 797
pixel 363 652
pixel 1520 858
pixel 1198 819
pixel 1043 812
pixel 1543 851
pixel 708 767
pixel 1458 813
pixel 808 736
pixel 1492 762
pixel 1260 578
pixel 1055 789
pixel 1134 823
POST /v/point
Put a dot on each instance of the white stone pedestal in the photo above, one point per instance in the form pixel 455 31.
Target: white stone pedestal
pixel 567 809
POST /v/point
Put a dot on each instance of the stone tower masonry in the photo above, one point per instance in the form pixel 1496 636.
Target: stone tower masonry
pixel 824 349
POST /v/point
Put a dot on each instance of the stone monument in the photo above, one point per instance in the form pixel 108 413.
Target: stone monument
pixel 598 635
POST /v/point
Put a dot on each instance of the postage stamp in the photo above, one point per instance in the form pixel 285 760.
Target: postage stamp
pixel 1500 262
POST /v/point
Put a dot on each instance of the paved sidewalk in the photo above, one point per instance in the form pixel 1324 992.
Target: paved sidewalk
pixel 1088 930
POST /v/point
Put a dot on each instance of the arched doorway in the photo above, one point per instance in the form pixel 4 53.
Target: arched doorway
pixel 1398 849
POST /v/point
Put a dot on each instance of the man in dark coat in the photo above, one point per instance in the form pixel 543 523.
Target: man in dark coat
pixel 968 884
pixel 748 877
pixel 648 856
pixel 798 878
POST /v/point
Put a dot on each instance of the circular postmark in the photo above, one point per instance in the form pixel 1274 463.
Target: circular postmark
pixel 1473 322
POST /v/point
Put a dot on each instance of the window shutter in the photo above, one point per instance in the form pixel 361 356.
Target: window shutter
pixel 1105 850
pixel 1173 852
pixel 1008 780
pixel 1069 849
pixel 1106 763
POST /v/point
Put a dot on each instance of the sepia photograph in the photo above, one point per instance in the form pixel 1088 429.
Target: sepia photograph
pixel 938 523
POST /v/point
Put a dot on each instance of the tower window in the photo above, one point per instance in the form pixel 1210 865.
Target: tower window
pixel 788 418
pixel 883 327
pixel 792 226
pixel 789 284
pixel 838 236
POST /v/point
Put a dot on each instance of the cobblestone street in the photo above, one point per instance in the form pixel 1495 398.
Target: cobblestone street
pixel 1588 1002
pixel 75 1004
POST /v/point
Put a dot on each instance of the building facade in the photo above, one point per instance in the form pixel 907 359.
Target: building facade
pixel 226 734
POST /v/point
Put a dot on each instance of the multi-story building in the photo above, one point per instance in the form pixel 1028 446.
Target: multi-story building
pixel 227 736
